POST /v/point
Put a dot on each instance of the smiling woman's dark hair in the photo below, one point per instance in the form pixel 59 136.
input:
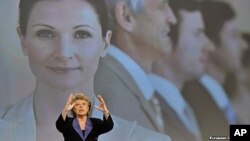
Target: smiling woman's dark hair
pixel 25 8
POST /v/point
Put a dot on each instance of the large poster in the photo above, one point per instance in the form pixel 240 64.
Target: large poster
pixel 147 100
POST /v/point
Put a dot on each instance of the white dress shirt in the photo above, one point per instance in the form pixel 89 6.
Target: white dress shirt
pixel 135 71
pixel 173 97
pixel 141 79
pixel 215 90
pixel 169 92
pixel 220 97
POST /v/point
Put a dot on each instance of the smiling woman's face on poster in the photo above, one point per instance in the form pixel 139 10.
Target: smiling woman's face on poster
pixel 63 41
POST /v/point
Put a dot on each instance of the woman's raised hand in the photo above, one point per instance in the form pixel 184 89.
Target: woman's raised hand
pixel 69 105
pixel 102 106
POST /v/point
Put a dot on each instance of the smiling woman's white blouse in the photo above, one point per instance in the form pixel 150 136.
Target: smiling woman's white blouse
pixel 18 124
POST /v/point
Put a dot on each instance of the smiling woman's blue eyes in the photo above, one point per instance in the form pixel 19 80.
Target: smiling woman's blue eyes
pixel 80 34
pixel 45 34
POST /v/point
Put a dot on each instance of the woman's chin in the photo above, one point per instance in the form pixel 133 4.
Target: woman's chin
pixel 81 114
pixel 65 84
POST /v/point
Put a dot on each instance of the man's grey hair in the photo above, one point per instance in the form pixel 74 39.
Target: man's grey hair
pixel 136 6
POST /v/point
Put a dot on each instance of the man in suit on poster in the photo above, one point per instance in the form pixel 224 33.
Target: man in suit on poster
pixel 140 35
pixel 186 62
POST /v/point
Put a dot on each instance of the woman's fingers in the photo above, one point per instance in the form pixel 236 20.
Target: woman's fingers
pixel 102 106
pixel 69 98
pixel 99 108
pixel 71 106
pixel 100 99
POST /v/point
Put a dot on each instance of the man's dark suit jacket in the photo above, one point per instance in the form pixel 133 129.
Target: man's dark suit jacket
pixel 211 119
pixel 71 131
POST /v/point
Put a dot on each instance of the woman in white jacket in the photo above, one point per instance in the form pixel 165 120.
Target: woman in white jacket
pixel 63 41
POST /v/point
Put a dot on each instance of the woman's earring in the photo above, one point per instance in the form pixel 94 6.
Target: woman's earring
pixel 103 53
pixel 106 44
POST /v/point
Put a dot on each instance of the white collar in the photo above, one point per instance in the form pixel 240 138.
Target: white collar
pixel 169 92
pixel 215 90
pixel 21 111
pixel 136 72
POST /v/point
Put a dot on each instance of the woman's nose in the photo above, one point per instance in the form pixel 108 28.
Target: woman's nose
pixel 64 49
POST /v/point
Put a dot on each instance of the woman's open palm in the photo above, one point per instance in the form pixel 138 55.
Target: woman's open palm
pixel 102 105
pixel 69 105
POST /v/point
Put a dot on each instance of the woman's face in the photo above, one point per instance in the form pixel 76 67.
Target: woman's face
pixel 81 107
pixel 63 42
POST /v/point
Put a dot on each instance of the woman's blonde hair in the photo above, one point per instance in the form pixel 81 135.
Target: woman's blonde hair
pixel 81 96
